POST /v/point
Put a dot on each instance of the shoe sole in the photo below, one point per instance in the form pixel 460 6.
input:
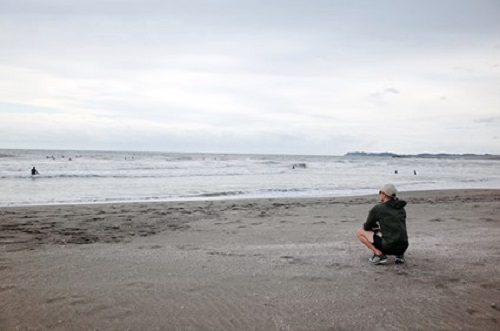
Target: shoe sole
pixel 379 262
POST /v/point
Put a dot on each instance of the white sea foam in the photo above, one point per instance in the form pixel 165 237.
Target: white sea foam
pixel 94 177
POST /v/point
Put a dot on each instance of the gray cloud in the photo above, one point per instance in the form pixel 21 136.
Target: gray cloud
pixel 386 92
pixel 487 120
pixel 391 90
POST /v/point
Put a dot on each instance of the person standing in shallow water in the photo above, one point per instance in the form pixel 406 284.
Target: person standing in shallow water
pixel 34 171
pixel 384 231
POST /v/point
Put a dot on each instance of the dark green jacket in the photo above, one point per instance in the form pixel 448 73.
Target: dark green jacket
pixel 390 219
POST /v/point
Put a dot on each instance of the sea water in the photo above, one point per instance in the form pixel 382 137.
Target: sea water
pixel 117 176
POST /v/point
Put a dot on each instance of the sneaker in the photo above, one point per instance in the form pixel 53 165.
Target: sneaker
pixel 400 259
pixel 375 259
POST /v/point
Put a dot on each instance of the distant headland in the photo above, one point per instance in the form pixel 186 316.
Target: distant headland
pixel 427 155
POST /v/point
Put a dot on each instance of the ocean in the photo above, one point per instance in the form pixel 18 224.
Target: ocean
pixel 67 177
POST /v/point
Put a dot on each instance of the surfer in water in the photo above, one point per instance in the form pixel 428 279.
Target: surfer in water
pixel 34 172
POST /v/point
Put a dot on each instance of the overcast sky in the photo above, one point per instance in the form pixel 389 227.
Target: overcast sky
pixel 270 76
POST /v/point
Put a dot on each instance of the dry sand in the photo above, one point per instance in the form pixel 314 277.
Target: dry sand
pixel 249 265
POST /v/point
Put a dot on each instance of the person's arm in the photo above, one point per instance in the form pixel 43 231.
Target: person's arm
pixel 371 221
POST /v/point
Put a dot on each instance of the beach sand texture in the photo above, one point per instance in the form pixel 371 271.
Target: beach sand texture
pixel 270 264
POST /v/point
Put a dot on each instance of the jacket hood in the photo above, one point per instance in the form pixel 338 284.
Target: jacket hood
pixel 397 204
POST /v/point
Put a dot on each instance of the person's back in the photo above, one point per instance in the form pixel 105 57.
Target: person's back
pixel 391 218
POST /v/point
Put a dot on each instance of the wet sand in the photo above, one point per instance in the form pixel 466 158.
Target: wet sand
pixel 271 264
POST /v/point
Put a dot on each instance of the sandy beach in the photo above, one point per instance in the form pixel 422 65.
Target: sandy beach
pixel 270 264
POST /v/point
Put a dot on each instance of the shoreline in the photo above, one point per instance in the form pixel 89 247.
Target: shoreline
pixel 223 199
pixel 266 264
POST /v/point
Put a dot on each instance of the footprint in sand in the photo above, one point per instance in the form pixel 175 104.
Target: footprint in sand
pixel 339 266
pixel 151 247
pixel 79 301
pixel 4 288
pixel 188 247
pixel 140 285
pixel 314 279
pixel 491 286
pixel 54 299
pixel 471 311
pixel 293 260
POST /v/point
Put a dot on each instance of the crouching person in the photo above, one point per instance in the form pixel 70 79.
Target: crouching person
pixel 384 231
